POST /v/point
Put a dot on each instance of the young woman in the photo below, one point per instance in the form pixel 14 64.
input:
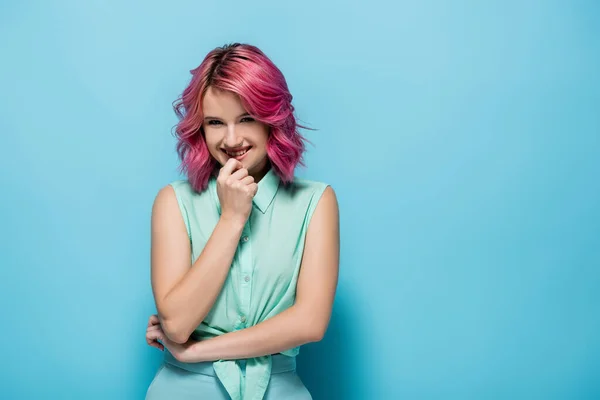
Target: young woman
pixel 244 254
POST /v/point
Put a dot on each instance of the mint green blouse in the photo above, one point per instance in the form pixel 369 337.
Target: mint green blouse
pixel 262 278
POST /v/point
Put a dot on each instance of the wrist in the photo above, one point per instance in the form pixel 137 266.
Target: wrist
pixel 234 222
pixel 193 354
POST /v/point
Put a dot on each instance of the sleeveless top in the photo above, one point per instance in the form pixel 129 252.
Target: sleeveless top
pixel 262 278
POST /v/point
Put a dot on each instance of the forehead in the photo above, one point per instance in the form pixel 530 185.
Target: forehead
pixel 221 103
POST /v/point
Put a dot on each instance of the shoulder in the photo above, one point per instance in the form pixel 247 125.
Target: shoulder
pixel 318 194
pixel 180 190
pixel 326 198
pixel 178 186
pixel 168 217
pixel 171 203
pixel 323 215
pixel 174 195
pixel 170 191
pixel 304 186
pixel 165 198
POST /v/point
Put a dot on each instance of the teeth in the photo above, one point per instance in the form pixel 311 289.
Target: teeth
pixel 237 154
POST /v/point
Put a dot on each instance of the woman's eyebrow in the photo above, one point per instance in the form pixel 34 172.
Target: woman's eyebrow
pixel 243 115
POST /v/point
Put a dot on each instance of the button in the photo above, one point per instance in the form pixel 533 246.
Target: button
pixel 243 318
pixel 247 278
pixel 245 239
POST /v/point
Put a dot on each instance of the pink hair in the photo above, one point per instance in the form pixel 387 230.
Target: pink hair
pixel 245 70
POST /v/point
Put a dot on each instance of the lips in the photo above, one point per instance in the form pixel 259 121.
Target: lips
pixel 237 152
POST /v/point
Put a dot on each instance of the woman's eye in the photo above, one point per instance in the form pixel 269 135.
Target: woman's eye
pixel 214 122
pixel 247 119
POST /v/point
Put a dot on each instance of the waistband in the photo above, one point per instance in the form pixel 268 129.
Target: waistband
pixel 279 363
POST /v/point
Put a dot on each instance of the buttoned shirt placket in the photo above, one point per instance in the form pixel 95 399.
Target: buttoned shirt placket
pixel 246 271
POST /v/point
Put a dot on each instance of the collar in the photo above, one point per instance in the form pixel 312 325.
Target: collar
pixel 267 188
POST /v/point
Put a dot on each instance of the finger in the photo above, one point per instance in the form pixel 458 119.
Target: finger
pixel 247 180
pixel 230 166
pixel 154 328
pixel 154 343
pixel 152 339
pixel 239 174
pixel 158 346
pixel 153 320
pixel 253 188
pixel 155 323
pixel 154 331
pixel 152 335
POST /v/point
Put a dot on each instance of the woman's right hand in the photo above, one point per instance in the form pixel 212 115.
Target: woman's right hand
pixel 235 189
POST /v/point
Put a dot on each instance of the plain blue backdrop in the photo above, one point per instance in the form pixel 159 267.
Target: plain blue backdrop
pixel 462 138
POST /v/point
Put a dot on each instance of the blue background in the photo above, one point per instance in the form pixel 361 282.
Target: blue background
pixel 462 138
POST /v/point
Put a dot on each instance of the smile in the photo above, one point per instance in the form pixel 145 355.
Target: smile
pixel 237 154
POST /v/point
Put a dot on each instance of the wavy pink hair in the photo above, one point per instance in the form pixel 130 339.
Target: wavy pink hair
pixel 245 70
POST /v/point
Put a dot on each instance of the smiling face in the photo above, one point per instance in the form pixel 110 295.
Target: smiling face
pixel 231 132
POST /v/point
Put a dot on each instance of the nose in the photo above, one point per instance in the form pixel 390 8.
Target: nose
pixel 231 138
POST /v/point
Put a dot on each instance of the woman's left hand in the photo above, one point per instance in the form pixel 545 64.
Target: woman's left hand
pixel 156 337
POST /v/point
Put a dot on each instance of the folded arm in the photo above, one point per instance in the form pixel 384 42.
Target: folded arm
pixel 307 320
pixel 184 293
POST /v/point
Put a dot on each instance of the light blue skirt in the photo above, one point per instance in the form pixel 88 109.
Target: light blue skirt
pixel 199 381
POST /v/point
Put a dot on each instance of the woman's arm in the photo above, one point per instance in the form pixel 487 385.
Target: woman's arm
pixel 307 320
pixel 184 295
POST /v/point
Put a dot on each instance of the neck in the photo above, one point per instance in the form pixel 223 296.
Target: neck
pixel 261 174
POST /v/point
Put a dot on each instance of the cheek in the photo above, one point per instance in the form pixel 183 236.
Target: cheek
pixel 212 145
pixel 262 136
pixel 211 140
